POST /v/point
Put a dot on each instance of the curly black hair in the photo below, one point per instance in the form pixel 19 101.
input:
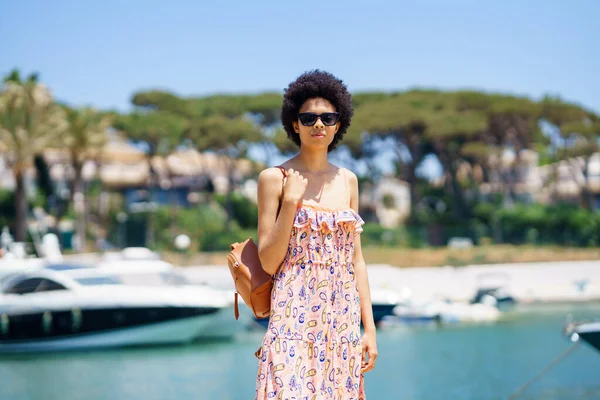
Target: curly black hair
pixel 313 84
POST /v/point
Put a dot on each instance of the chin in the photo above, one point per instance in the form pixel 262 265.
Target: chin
pixel 318 146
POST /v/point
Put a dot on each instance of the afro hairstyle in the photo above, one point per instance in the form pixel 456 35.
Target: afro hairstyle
pixel 313 84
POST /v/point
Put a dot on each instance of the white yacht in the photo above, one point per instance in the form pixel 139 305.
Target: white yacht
pixel 441 312
pixel 65 306
pixel 589 332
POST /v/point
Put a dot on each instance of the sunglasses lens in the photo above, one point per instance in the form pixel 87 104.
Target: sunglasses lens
pixel 329 118
pixel 307 119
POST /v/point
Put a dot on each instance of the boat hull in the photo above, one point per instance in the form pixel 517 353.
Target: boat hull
pixel 382 310
pixel 590 333
pixel 196 325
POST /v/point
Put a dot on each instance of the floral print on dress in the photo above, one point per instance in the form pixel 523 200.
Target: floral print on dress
pixel 312 347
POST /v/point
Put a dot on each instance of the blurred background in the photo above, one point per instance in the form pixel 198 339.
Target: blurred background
pixel 132 134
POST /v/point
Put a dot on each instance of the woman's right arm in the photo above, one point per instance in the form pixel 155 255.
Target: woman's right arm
pixel 274 229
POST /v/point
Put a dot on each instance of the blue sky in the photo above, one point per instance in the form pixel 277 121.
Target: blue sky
pixel 100 52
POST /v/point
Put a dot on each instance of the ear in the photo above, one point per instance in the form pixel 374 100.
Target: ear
pixel 296 128
pixel 337 126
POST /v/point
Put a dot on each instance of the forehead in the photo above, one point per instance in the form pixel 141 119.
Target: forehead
pixel 317 105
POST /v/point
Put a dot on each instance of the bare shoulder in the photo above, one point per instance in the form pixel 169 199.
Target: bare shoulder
pixel 270 175
pixel 351 176
pixel 270 182
pixel 353 188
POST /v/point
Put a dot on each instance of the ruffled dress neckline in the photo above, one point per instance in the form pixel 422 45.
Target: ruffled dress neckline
pixel 326 218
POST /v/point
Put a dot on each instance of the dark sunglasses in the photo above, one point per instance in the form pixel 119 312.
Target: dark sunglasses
pixel 328 118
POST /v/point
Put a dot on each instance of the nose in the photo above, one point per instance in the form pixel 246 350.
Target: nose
pixel 319 124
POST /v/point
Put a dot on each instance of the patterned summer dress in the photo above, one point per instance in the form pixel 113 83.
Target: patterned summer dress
pixel 312 348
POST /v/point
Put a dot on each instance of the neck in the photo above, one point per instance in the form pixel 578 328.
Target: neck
pixel 313 160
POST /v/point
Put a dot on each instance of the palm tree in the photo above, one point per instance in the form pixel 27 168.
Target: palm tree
pixel 85 137
pixel 30 121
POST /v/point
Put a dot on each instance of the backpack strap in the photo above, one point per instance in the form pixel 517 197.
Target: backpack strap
pixel 282 170
pixel 236 310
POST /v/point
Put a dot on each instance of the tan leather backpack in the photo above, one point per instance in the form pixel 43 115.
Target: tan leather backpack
pixel 250 279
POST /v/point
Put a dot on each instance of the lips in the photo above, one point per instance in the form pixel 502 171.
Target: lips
pixel 318 135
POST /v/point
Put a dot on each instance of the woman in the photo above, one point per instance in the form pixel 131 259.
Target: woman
pixel 308 231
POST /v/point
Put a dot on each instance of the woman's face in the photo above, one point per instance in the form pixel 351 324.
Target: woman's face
pixel 317 134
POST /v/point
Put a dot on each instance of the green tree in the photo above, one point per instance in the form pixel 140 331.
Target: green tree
pixel 263 109
pixel 512 124
pixel 283 143
pixel 229 137
pixel 85 136
pixel 583 136
pixel 266 107
pixel 156 100
pixel 399 119
pixel 160 130
pixel 30 121
pixel 574 134
pixel 449 132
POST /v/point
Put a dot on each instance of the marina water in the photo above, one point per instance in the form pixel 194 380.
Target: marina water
pixel 462 362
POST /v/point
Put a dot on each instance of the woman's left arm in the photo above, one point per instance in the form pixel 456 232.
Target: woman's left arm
pixel 369 340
